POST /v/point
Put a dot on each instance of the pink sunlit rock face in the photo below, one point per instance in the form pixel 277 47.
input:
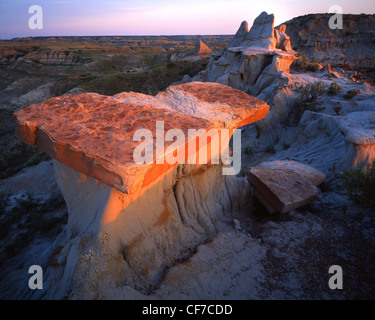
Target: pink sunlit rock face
pixel 93 134
pixel 201 49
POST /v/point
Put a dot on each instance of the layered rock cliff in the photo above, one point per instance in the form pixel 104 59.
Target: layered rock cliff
pixel 354 45
pixel 53 57
pixel 46 56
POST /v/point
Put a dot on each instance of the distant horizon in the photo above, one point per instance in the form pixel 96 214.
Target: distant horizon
pixel 160 35
pixel 118 35
pixel 81 18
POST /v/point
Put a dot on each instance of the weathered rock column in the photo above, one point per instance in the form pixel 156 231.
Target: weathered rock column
pixel 128 222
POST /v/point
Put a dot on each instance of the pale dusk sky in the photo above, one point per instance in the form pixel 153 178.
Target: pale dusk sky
pixel 155 17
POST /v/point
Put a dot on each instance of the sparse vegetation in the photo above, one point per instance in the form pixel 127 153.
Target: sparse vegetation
pixel 303 63
pixel 306 95
pixel 313 67
pixel 249 150
pixel 31 215
pixel 243 171
pixel 30 156
pixel 311 91
pixel 38 157
pixel 64 84
pixel 285 145
pixel 4 199
pixel 337 109
pixel 315 60
pixel 351 94
pixel 360 184
pixel 270 149
pixel 151 81
pixel 334 88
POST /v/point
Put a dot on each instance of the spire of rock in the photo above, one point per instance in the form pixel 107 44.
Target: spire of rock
pixel 261 33
pixel 254 61
pixel 282 39
pixel 240 35
pixel 201 49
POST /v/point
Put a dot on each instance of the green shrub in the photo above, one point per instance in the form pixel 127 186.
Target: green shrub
pixel 38 157
pixel 351 93
pixel 27 204
pixel 285 145
pixel 360 184
pixel 337 109
pixel 311 91
pixel 269 149
pixel 312 67
pixel 249 150
pixel 4 199
pixel 315 60
pixel 306 95
pixel 334 88
pixel 171 65
pixel 243 171
pixel 302 61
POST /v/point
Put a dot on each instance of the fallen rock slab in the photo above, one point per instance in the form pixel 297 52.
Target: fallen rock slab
pixel 304 171
pixel 282 186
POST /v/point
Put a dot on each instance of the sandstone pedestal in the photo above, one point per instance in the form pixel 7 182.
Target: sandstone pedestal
pixel 127 221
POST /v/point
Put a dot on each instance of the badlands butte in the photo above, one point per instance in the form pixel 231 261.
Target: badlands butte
pixel 104 227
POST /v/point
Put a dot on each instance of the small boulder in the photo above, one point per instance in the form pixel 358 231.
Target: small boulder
pixel 282 186
pixel 306 172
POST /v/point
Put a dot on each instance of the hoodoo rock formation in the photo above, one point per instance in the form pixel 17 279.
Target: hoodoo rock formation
pixel 128 222
pixel 258 61
pixel 255 61
pixel 258 51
